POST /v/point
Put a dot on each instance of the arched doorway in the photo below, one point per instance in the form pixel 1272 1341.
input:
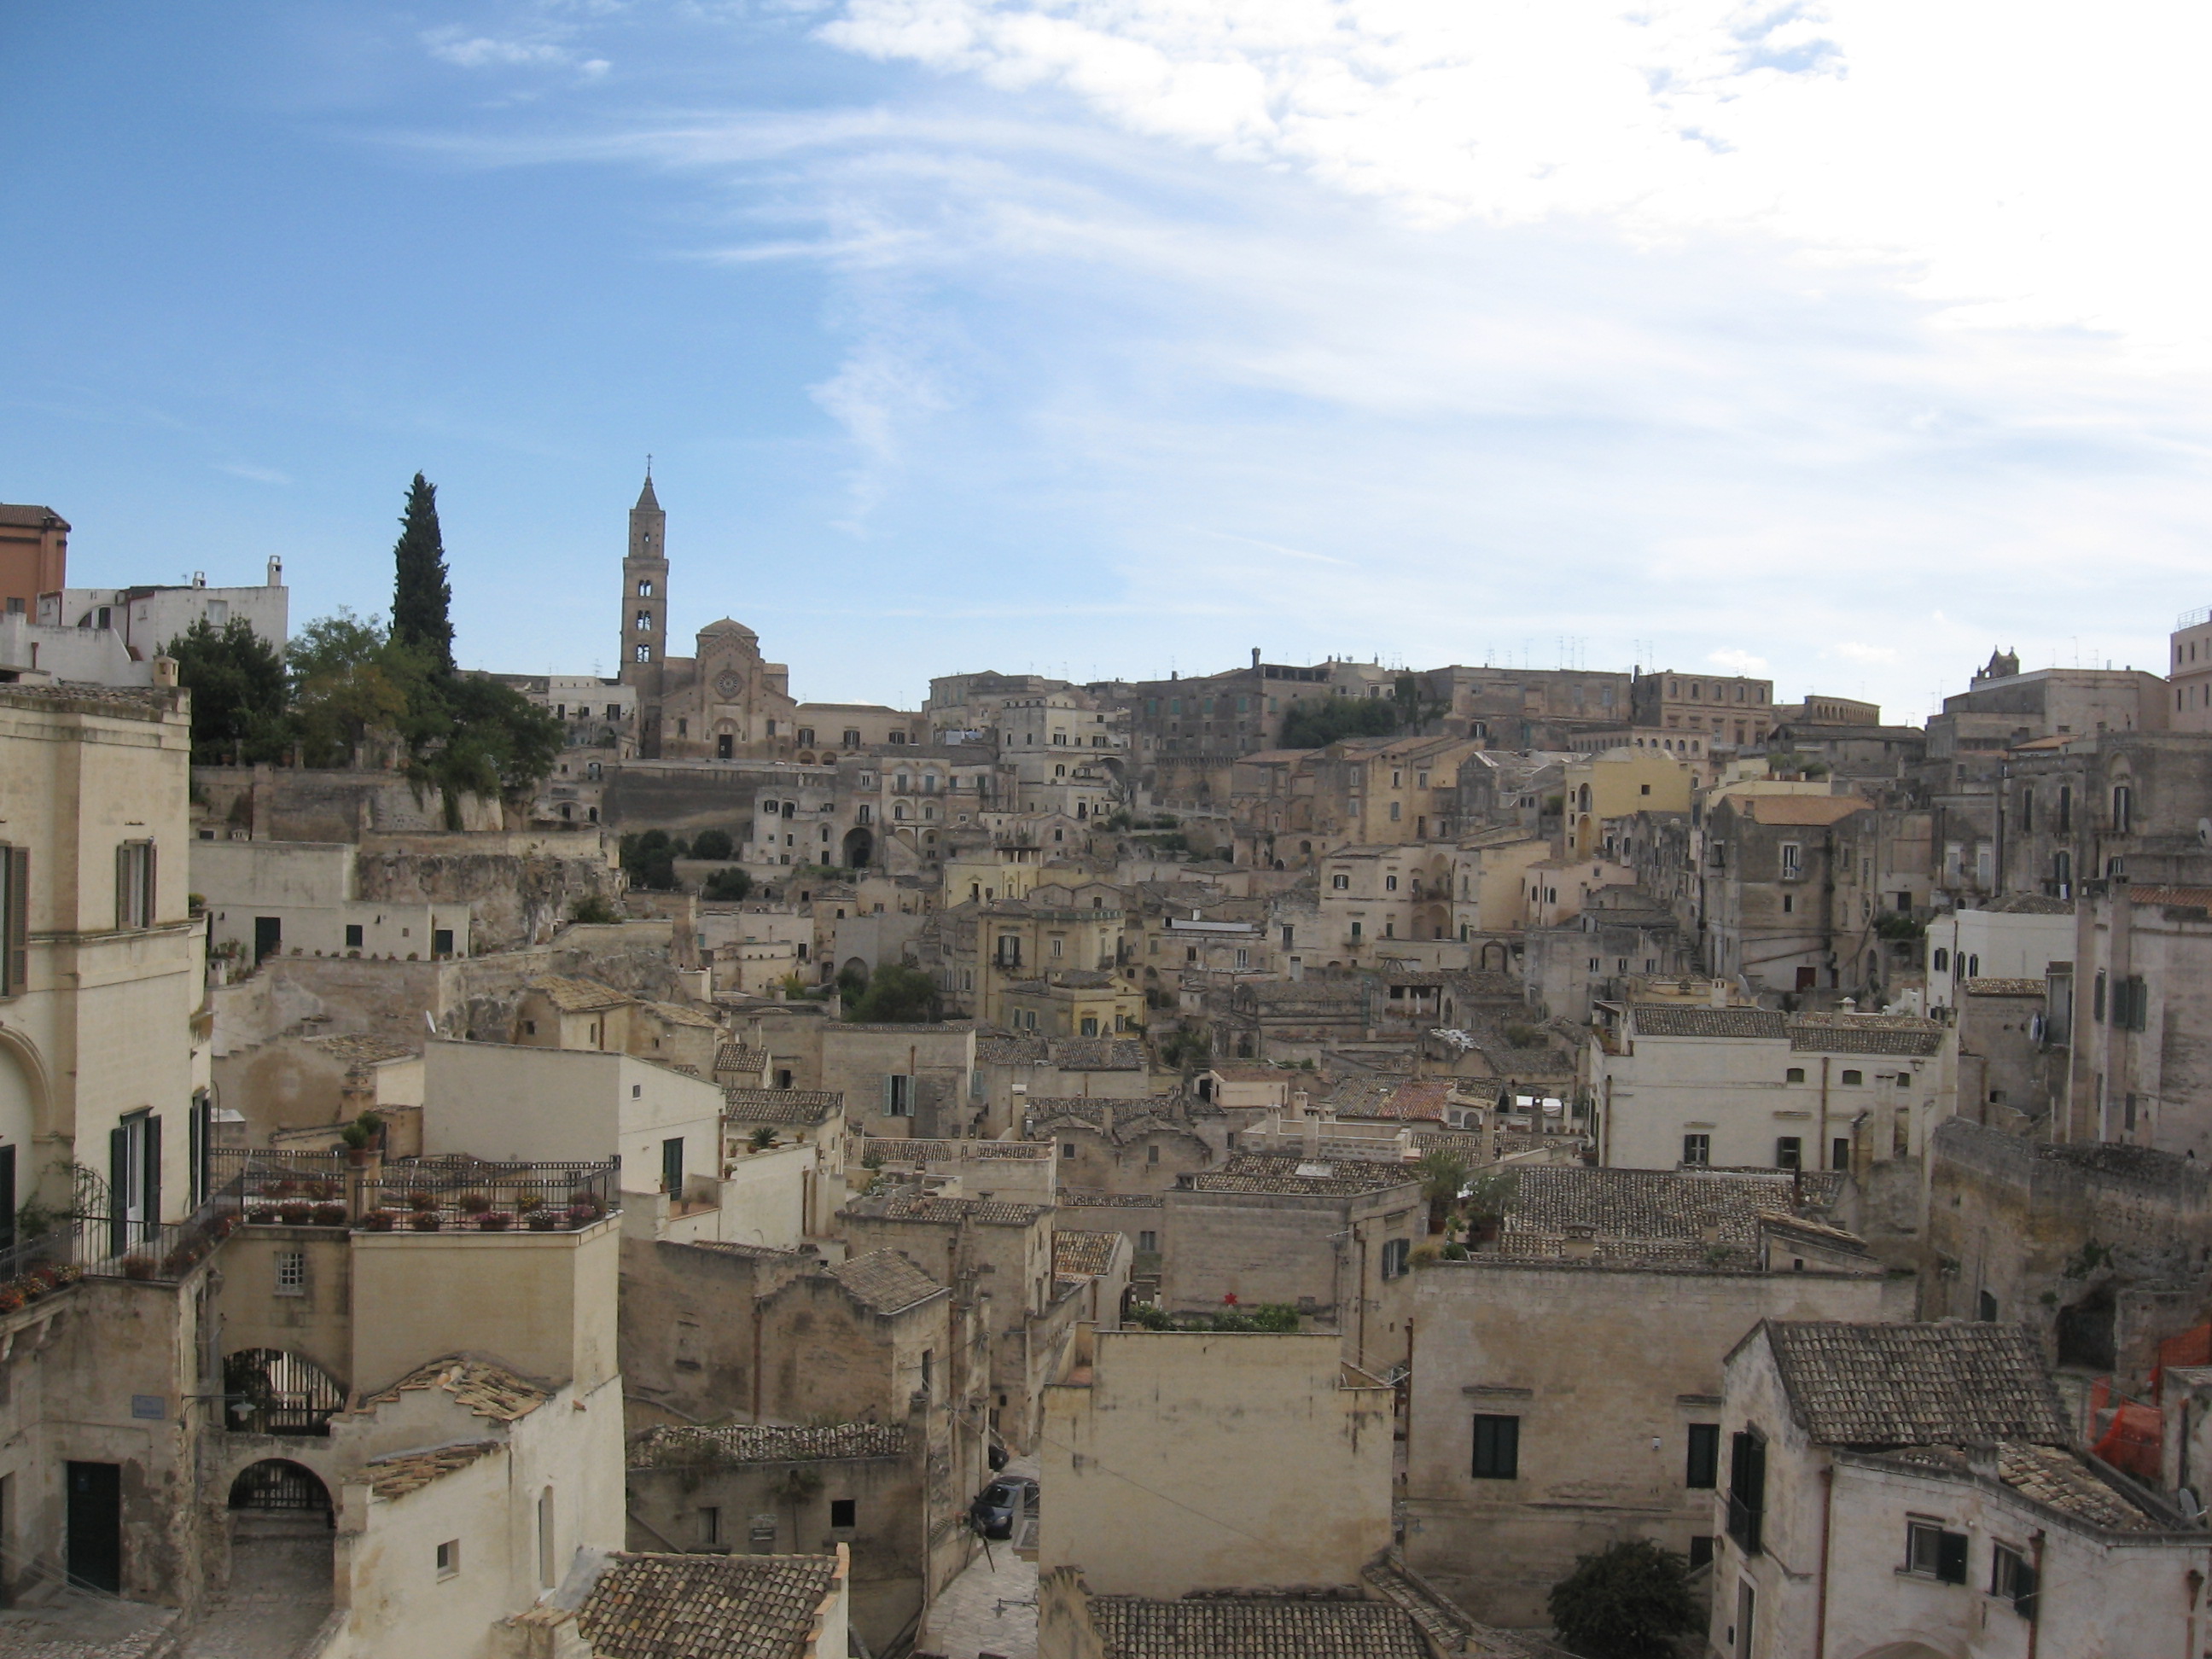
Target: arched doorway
pixel 268 1391
pixel 860 848
pixel 277 1484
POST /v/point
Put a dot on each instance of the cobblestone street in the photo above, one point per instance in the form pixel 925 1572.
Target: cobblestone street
pixel 991 1607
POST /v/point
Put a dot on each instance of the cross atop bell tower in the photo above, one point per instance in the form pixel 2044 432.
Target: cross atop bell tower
pixel 645 594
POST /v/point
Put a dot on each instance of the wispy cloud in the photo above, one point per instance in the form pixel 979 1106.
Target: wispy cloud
pixel 268 474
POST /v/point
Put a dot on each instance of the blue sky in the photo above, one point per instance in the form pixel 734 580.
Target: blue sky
pixel 1113 336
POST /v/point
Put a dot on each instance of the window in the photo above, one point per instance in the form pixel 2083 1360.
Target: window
pixel 449 1558
pixel 1839 1152
pixel 928 1373
pixel 671 1166
pixel 1396 1253
pixel 2013 1579
pixel 1789 1153
pixel 1148 1242
pixel 898 1095
pixel 843 1512
pixel 1497 1449
pixel 1795 1074
pixel 291 1272
pixel 2123 809
pixel 1389 884
pixel 1355 930
pixel 1853 1079
pixel 1746 1499
pixel 1704 1470
pixel 1697 1149
pixel 1340 882
pixel 710 1526
pixel 1935 1554
pixel 1793 857
pixel 2065 823
pixel 1941 962
pixel 134 885
pixel 645 589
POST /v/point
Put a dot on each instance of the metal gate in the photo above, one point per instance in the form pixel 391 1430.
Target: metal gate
pixel 277 1485
pixel 269 1391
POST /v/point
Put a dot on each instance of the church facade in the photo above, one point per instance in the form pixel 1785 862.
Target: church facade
pixel 722 702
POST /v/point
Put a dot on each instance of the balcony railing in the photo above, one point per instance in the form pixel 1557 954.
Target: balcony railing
pixel 1743 1524
pixel 449 1194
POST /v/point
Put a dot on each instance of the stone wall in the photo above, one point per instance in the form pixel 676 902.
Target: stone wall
pixel 517 900
pixel 273 803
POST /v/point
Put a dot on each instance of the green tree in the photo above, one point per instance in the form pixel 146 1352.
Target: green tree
pixel 349 679
pixel 421 598
pixel 897 995
pixel 1443 1173
pixel 239 696
pixel 852 983
pixel 712 844
pixel 495 740
pixel 1320 721
pixel 727 886
pixel 649 860
pixel 1627 1601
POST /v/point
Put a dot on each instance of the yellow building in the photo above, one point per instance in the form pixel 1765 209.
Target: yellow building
pixel 1614 783
pixel 1058 930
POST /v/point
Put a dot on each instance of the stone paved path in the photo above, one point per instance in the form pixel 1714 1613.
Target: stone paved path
pixel 974 1615
pixel 76 1624
pixel 279 1595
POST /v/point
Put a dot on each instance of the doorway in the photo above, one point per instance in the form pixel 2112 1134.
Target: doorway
pixel 268 938
pixel 96 1526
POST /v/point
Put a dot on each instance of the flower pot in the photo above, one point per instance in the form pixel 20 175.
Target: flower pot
pixel 494 1221
pixel 379 1221
pixel 424 1221
pixel 542 1221
pixel 295 1215
pixel 330 1215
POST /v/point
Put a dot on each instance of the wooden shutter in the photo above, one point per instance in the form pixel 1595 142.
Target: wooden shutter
pixel 15 949
pixel 153 1193
pixel 122 886
pixel 119 1180
pixel 151 912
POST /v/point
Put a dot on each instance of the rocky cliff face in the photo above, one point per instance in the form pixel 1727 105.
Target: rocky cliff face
pixel 518 900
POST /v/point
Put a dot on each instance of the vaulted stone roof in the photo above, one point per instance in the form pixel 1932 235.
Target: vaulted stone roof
pixel 1255 1627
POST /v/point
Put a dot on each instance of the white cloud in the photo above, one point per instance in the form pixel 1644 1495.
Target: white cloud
pixel 1869 656
pixel 267 475
pixel 456 46
pixel 2020 162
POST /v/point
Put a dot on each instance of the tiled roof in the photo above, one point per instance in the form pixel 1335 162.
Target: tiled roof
pixel 396 1476
pixel 2029 904
pixel 1092 1198
pixel 736 1057
pixel 1264 1172
pixel 892 1149
pixel 1078 1054
pixel 576 996
pixel 1865 1034
pixel 706 1607
pixel 885 1282
pixel 781 1105
pixel 1672 1020
pixel 912 1204
pixel 1255 1075
pixel 1650 1205
pixel 768 1444
pixel 2061 1479
pixel 362 1050
pixel 489 1390
pixel 998 1050
pixel 2005 988
pixel 2180 898
pixel 674 1013
pixel 1255 1627
pixel 1917 1385
pixel 1083 1256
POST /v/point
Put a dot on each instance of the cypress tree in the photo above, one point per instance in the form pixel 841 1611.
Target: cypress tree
pixel 420 597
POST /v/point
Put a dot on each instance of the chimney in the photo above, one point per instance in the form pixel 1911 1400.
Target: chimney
pixel 1580 1244
pixel 1255 656
pixel 165 670
pixel 1850 1004
pixel 275 573
pixel 1720 994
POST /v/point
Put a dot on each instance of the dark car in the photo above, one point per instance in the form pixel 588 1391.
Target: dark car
pixel 998 1508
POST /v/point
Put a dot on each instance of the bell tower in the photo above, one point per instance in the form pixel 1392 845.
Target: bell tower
pixel 645 596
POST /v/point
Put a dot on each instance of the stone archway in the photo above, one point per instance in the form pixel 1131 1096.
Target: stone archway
pixel 860 848
pixel 282 1539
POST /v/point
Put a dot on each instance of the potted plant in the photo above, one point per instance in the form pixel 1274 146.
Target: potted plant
pixel 12 1299
pixel 763 1137
pixel 138 1267
pixel 318 1191
pixel 330 1215
pixel 472 1203
pixel 493 1221
pixel 420 1199
pixel 582 1215
pixel 424 1221
pixel 542 1220
pixel 295 1211
pixel 262 1212
pixel 360 1138
pixel 380 1221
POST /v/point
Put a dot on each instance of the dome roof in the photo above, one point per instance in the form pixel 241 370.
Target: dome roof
pixel 726 628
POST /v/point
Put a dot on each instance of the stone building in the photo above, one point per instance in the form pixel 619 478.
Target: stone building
pixel 1110 1146
pixel 1733 710
pixel 1773 863
pixel 1565 1385
pixel 1917 1489
pixel 33 556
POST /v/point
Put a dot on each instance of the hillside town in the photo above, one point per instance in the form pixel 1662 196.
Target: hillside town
pixel 1307 1159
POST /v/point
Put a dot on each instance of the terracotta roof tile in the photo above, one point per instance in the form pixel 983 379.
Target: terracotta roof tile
pixel 799 1106
pixel 1263 1172
pixel 1865 1034
pixel 885 1282
pixel 489 1389
pixel 1915 1385
pixel 1663 1019
pixel 396 1476
pixel 769 1442
pixel 1083 1256
pixel 738 1059
pixel 2005 988
pixel 706 1607
pixel 1255 1627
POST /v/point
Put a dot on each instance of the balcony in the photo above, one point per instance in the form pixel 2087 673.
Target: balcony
pixel 462 1194
pixel 1743 1524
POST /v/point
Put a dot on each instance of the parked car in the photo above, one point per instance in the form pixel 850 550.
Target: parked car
pixel 998 1508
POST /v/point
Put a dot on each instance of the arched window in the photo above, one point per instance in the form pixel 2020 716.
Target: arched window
pixel 644 621
pixel 645 653
pixel 2123 809
pixel 1942 961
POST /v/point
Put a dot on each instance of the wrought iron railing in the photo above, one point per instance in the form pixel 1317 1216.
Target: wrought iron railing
pixel 449 1194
